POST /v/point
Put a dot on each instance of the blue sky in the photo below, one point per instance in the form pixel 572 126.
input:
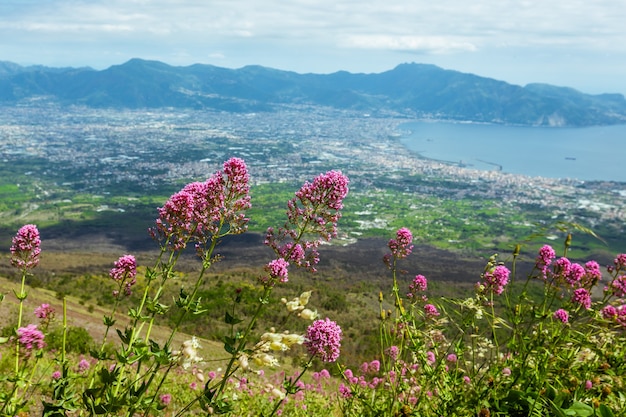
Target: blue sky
pixel 576 43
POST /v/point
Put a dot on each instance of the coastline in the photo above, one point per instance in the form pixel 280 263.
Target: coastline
pixel 510 150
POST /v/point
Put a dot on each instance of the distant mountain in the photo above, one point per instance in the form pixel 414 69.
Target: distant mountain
pixel 410 90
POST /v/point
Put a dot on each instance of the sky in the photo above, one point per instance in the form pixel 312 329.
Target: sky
pixel 575 43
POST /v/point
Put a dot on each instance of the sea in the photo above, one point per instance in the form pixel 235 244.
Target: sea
pixel 586 153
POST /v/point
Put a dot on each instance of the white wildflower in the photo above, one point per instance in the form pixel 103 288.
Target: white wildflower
pixel 308 314
pixel 242 360
pixel 293 305
pixel 291 339
pixel 278 393
pixel 264 359
pixel 189 352
pixel 304 298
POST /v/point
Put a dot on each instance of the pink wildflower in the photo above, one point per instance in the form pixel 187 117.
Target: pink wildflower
pixel 581 296
pixel 620 261
pixel 312 217
pixel 588 385
pixel 431 310
pixel 452 358
pixel 237 198
pixel 278 272
pixel 374 366
pixel 124 272
pixel 545 257
pixel 56 375
pixel 165 399
pixel 26 247
pixel 562 266
pixel 506 371
pixel 30 337
pixel 199 211
pixel 175 224
pixel 618 286
pixel 561 315
pixel 430 357
pixel 609 312
pixel 393 352
pixel 44 312
pixel 345 391
pixel 575 275
pixel 124 267
pixel 401 246
pixel 593 272
pixel 83 365
pixel 496 279
pixel 323 339
pixel 419 285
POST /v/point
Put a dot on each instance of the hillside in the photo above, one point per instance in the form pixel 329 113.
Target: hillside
pixel 409 90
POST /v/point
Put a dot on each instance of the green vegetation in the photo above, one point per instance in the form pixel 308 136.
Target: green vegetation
pixel 470 225
pixel 536 339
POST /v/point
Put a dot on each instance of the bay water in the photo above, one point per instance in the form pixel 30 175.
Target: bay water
pixel 588 154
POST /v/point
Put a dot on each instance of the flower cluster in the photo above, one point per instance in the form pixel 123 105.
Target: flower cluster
pixel 26 247
pixel 83 366
pixel 620 262
pixel 279 342
pixel 188 353
pixel 44 312
pixel 561 315
pixel 402 381
pixel 201 211
pixel 431 311
pixel 237 198
pixel 124 272
pixel 496 279
pixel 618 314
pixel 401 246
pixel 323 339
pixel 565 273
pixel 583 297
pixel 545 258
pixel 30 337
pixel 618 286
pixel 417 287
pixel 277 271
pixel 298 304
pixel 312 217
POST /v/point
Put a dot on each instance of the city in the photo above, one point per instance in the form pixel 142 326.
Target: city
pixel 99 152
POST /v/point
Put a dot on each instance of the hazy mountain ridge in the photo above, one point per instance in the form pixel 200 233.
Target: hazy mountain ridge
pixel 413 90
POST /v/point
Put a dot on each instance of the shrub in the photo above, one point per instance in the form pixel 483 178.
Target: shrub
pixel 78 340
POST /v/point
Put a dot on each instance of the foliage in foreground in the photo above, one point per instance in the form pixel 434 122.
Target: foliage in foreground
pixel 499 352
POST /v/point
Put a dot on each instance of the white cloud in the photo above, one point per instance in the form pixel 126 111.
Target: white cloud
pixel 429 26
pixel 419 44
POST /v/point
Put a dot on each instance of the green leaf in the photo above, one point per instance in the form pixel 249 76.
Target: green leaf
pixel 605 411
pixel 579 409
pixel 124 337
pixel 231 319
pixel 230 348
pixel 109 321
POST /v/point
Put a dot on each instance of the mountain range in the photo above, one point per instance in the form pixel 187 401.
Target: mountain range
pixel 409 90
